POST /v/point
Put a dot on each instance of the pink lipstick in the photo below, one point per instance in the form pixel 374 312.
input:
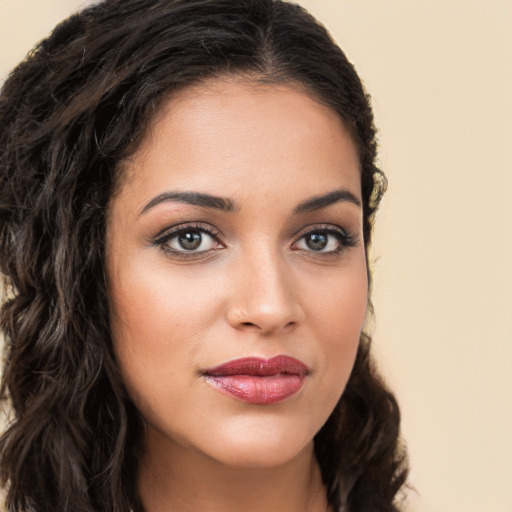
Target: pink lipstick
pixel 259 381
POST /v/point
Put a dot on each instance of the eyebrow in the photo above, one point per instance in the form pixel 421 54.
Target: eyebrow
pixel 319 202
pixel 226 204
pixel 194 198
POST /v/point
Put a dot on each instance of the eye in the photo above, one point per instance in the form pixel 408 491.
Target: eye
pixel 189 240
pixel 325 240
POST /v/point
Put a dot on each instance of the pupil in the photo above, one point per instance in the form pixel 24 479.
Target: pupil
pixel 317 241
pixel 190 240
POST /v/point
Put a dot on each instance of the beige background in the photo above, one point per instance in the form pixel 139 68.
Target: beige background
pixel 440 73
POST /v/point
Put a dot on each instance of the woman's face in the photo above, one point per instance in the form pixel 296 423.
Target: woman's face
pixel 237 272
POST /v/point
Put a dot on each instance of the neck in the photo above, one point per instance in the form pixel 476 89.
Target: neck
pixel 182 480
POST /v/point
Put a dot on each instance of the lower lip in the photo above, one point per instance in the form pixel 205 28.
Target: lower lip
pixel 258 390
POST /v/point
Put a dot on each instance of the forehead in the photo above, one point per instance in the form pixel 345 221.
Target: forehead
pixel 226 135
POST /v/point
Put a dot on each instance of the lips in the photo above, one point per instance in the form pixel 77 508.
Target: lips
pixel 259 381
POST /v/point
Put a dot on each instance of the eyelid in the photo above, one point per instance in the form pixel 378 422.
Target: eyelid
pixel 346 238
pixel 180 226
pixel 170 232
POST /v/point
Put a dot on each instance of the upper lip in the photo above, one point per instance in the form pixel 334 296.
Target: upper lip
pixel 260 367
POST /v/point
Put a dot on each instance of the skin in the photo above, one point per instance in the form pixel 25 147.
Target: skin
pixel 256 288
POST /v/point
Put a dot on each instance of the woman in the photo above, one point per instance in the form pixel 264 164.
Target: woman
pixel 187 196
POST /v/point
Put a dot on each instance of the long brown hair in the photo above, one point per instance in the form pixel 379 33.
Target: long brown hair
pixel 69 114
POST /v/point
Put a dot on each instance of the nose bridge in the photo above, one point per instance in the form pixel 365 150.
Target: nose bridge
pixel 264 297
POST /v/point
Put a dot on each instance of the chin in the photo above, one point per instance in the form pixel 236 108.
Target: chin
pixel 259 446
pixel 262 457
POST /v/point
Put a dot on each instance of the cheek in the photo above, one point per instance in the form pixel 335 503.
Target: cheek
pixel 165 321
pixel 337 314
pixel 149 300
pixel 157 322
pixel 337 303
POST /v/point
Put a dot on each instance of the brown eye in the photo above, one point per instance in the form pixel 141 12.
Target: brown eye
pixel 320 241
pixel 316 241
pixel 190 240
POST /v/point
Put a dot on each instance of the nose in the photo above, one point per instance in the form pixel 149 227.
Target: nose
pixel 264 296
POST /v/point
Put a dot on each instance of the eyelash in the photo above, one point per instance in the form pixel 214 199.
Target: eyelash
pixel 345 240
pixel 168 235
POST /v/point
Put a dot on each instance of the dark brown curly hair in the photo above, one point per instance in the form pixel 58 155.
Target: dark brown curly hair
pixel 76 107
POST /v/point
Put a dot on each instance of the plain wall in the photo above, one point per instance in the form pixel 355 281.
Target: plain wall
pixel 440 74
